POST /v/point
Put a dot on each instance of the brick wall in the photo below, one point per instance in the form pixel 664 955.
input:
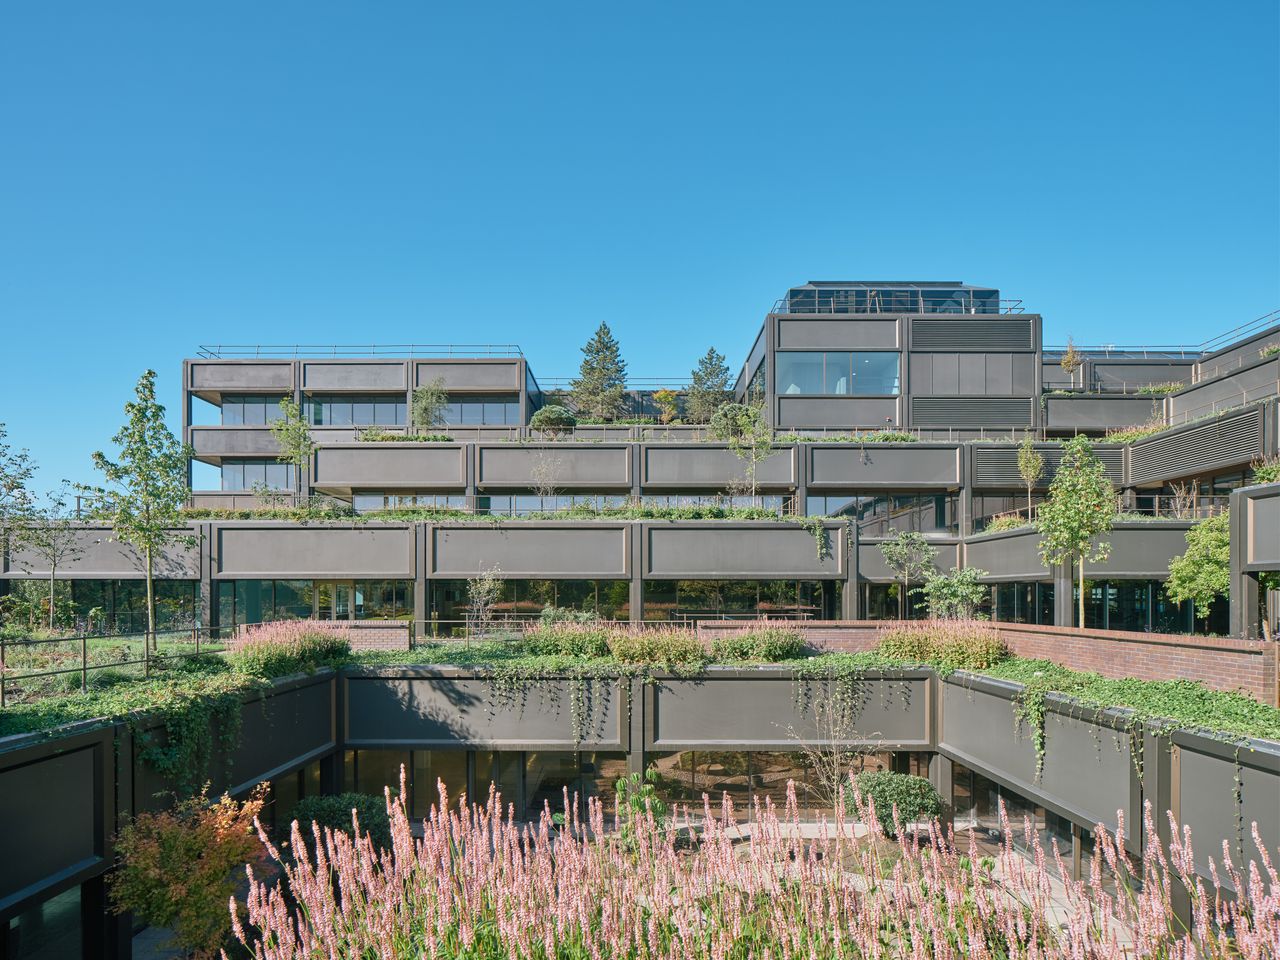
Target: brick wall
pixel 379 635
pixel 1249 666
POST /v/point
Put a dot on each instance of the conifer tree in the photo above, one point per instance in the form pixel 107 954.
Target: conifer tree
pixel 708 389
pixel 602 377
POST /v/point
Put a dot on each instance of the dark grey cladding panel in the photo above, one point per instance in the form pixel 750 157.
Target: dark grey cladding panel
pixel 972 374
pixel 393 465
pixel 283 730
pixel 353 375
pixel 524 549
pixel 371 550
pixel 1256 381
pixel 1239 354
pixel 241 376
pixel 718 550
pixel 1087 765
pixel 1262 520
pixel 871 565
pixel 996 464
pixel 1007 556
pixel 841 413
pixel 971 411
pixel 1233 440
pixel 470 374
pixel 700 465
pixel 1131 373
pixel 234 441
pixel 963 334
pixel 425 712
pixel 1224 789
pixel 1142 549
pixel 49 806
pixel 1085 412
pixel 561 465
pixel 104 557
pixel 776 713
pixel 878 464
pixel 838 335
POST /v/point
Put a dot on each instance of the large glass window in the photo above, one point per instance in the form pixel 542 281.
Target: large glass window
pixel 483 410
pixel 249 410
pixel 523 504
pixel 339 410
pixel 927 513
pixel 366 502
pixel 741 599
pixel 251 474
pixel 837 373
pixel 120 606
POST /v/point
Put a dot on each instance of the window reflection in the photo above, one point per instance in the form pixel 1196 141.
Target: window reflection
pixel 837 373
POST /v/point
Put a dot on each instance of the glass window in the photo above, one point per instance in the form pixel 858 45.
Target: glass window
pixel 243 475
pixel 376 769
pixel 837 373
pixel 1128 605
pixel 798 372
pixel 546 777
pixel 430 769
pixel 931 513
pixel 249 410
pixel 875 374
pixel 501 770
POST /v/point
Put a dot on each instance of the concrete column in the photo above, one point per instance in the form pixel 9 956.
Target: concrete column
pixel 421 592
pixel 1244 588
pixel 850 601
pixel 637 533
pixel 635 724
pixel 1063 600
pixel 940 777
pixel 208 598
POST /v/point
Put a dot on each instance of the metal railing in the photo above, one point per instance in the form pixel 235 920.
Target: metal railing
pixel 295 351
pixel 1157 506
pixel 1185 351
pixel 1213 408
pixel 897 302
pixel 24 662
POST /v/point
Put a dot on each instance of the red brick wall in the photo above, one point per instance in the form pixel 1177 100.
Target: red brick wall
pixel 1249 666
pixel 379 635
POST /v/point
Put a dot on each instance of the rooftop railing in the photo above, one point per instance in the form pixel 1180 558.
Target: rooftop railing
pixel 295 351
pixel 1192 351
pixel 898 303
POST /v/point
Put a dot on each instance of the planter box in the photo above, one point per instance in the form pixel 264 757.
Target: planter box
pixel 272 551
pixel 893 465
pixel 567 466
pixel 392 465
pixel 718 550
pixel 583 550
pixel 699 466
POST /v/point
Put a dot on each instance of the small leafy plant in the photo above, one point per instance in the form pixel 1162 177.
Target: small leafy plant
pixel 335 813
pixel 765 644
pixel 913 798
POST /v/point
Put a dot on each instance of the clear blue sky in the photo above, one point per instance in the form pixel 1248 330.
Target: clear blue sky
pixel 175 173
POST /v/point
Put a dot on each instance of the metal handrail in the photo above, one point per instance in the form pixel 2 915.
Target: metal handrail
pixel 1185 350
pixel 942 306
pixel 462 351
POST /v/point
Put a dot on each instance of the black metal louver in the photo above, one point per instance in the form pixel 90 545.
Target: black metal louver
pixel 997 465
pixel 961 334
pixel 971 412
pixel 1229 442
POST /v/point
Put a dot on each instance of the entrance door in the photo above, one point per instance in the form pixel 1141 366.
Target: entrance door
pixel 333 599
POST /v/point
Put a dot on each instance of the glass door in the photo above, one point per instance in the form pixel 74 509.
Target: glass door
pixel 333 599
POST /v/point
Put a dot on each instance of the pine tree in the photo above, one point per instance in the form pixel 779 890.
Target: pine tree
pixel 708 389
pixel 602 377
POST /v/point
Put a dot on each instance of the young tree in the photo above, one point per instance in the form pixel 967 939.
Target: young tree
pixel 544 475
pixel 956 595
pixel 602 377
pixel 293 434
pixel 1030 467
pixel 1071 359
pixel 147 487
pixel 744 429
pixel 910 556
pixel 1079 510
pixel 426 411
pixel 16 470
pixel 50 534
pixel 484 590
pixel 668 402
pixel 708 389
pixel 1203 573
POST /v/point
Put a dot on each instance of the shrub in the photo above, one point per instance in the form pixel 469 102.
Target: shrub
pixel 283 647
pixel 948 645
pixel 768 644
pixel 1160 389
pixel 1008 523
pixel 915 797
pixel 334 812
pixel 180 867
pixel 566 615
pixel 553 420
pixel 567 639
pixel 665 645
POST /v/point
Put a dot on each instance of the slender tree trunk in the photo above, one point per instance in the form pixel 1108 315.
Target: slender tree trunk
pixel 53 577
pixel 1081 591
pixel 151 604
pixel 902 600
pixel 1028 503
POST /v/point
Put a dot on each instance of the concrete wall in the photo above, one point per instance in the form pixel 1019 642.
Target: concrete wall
pixel 1260 509
pixel 479 375
pixel 215 442
pixel 564 465
pixel 838 413
pixel 239 376
pixel 883 465
pixel 283 550
pixel 1008 555
pixel 722 550
pixel 543 550
pixel 103 557
pixel 871 565
pixel 354 376
pixel 705 466
pixel 1097 413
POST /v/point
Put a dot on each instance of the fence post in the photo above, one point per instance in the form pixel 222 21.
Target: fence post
pixel 84 663
pixel 2 671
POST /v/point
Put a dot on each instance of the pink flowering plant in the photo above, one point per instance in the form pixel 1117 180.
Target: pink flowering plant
pixel 283 647
pixel 478 884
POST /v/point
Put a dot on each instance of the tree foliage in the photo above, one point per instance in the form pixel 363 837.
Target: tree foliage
pixel 955 595
pixel 427 406
pixel 1078 513
pixel 1203 573
pixel 179 868
pixel 708 388
pixel 1030 467
pixel 146 488
pixel 553 420
pixel 602 376
pixel 744 429
pixel 50 534
pixel 293 434
pixel 910 556
pixel 16 470
pixel 668 402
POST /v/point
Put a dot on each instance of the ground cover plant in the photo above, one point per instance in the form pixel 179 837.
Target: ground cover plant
pixel 692 885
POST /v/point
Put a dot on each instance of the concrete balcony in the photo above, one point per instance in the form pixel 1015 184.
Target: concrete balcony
pixel 211 378
pixel 281 550
pixel 103 557
pixel 889 465
pixel 718 550
pixel 211 444
pixel 543 550
pixel 564 466
pixel 341 468
pixel 711 466
pixel 1098 412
